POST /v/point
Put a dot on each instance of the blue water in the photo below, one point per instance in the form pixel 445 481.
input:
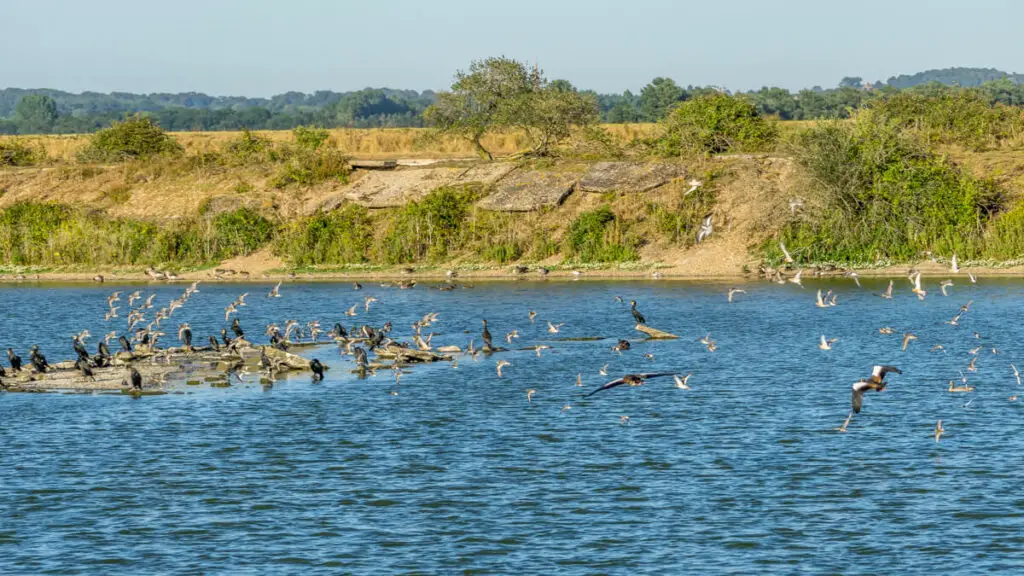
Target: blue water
pixel 459 473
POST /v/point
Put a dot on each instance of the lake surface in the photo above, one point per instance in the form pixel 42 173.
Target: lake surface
pixel 460 473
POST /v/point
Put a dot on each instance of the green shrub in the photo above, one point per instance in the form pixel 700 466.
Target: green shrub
pixel 310 138
pixel 716 123
pixel 304 167
pixel 429 229
pixel 589 238
pixel 13 153
pixel 136 137
pixel 883 196
pixel 249 148
pixel 241 232
pixel 1004 239
pixel 343 236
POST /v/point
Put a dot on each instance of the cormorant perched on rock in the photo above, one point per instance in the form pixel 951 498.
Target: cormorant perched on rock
pixel 224 337
pixel 102 355
pixel 265 362
pixel 630 379
pixel 80 349
pixel 339 331
pixel 14 359
pixel 277 342
pixel 318 370
pixel 38 360
pixel 132 379
pixel 83 366
pixel 360 355
pixel 487 337
pixel 214 344
pixel 185 336
pixel 126 346
pixel 636 313
pixel 237 328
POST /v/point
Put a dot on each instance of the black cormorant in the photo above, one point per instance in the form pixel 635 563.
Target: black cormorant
pixel 214 344
pixel 14 359
pixel 80 349
pixel 84 368
pixel 38 360
pixel 237 328
pixel 487 337
pixel 126 346
pixel 636 313
pixel 132 379
pixel 318 370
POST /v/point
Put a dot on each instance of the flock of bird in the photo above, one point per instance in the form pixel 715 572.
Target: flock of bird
pixel 358 341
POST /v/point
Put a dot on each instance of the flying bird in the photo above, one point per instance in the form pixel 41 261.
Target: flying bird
pixel 917 287
pixel 875 382
pixel 907 338
pixel 694 184
pixel 888 292
pixel 785 253
pixel 845 423
pixel 553 328
pixel 275 292
pixel 945 285
pixel 630 380
pixel 501 364
pixel 939 430
pixel 826 344
pixel 706 228
pixel 954 267
pixel 682 383
pixel 734 291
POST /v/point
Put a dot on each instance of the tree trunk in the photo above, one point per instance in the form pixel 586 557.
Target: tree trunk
pixel 481 150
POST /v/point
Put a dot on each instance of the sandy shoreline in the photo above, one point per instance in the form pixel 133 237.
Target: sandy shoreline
pixel 504 273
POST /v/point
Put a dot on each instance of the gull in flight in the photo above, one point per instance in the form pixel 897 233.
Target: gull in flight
pixel 917 287
pixel 529 395
pixel 796 279
pixel 826 344
pixel 945 285
pixel 275 292
pixel 856 278
pixel 553 328
pixel 785 253
pixel 1016 373
pixel 501 364
pixel 682 383
pixel 907 338
pixel 694 184
pixel 706 228
pixel 939 430
pixel 734 291
pixel 888 292
pixel 845 424
pixel 953 265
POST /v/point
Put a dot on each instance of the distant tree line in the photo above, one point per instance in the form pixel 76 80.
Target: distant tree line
pixel 53 111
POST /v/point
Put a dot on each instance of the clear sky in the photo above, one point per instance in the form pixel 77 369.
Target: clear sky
pixel 265 47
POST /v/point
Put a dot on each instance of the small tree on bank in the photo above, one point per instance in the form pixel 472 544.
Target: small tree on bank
pixel 501 93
